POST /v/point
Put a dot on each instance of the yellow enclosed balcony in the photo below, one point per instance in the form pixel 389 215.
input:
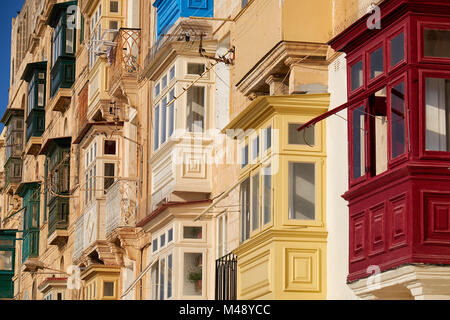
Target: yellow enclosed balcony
pixel 283 235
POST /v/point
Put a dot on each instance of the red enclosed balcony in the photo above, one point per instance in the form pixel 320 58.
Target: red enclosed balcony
pixel 398 136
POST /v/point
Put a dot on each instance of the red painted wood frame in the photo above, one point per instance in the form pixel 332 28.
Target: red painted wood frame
pixel 427 154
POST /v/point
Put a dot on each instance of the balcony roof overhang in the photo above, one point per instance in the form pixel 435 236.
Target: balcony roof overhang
pixel 263 107
pixel 9 113
pixel 56 10
pixel 31 68
pixel 62 142
pixel 391 11
pixel 87 126
pixel 25 186
pixel 52 283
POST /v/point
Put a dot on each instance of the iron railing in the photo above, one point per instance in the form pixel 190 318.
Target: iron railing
pixel 226 276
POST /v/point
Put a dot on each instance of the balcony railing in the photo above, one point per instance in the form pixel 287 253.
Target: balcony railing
pixel 120 206
pixel 226 276
pixel 124 59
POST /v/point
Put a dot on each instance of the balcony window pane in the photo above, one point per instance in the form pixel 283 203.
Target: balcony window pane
pixel 170 235
pixel 110 147
pixel 193 274
pixel 6 263
pixel 108 289
pixel 267 138
pixel 304 137
pixel 114 6
pixel 255 148
pixel 437 101
pixel 245 209
pixel 437 43
pixel 192 232
pixel 398 138
pixel 41 89
pixel 255 202
pixel 169 276
pixel 172 73
pixel 397 49
pixel 164 82
pixel 109 172
pixel 359 149
pixel 302 191
pixel 162 269
pixel 162 240
pixel 157 90
pixel 376 63
pixel 70 35
pixel 155 281
pixel 356 74
pixel 267 194
pixel 171 112
pixel 378 105
pixel 155 245
pixel 163 120
pixel 244 156
pixel 196 109
pixel 195 68
pixel 156 129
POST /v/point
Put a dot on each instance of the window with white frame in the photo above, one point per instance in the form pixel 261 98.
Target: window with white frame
pixel 161 278
pixel 96 34
pixel 221 235
pixel 193 274
pixel 196 109
pixel 302 191
pixel 91 172
pixel 164 119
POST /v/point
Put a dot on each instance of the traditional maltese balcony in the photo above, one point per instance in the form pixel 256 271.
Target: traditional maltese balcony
pixel 120 206
pixel 124 67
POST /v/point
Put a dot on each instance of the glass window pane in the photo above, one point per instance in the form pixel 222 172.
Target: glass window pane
pixel 244 156
pixel 437 43
pixel 196 109
pixel 356 72
pixel 398 138
pixel 163 120
pixel 302 191
pixel 397 49
pixel 108 289
pixel 155 281
pixel 192 232
pixel 69 40
pixel 157 90
pixel 169 276
pixel 6 263
pixel 41 89
pixel 162 240
pixel 109 172
pixel 170 235
pixel 255 202
pixel 195 68
pixel 304 137
pixel 245 209
pixel 164 82
pixel 114 6
pixel 437 101
pixel 156 129
pixel 255 148
pixel 172 73
pixel 110 147
pixel 193 274
pixel 376 63
pixel 155 245
pixel 267 141
pixel 162 269
pixel 359 152
pixel 267 194
pixel 378 105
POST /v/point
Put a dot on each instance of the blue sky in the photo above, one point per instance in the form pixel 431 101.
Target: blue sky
pixel 8 11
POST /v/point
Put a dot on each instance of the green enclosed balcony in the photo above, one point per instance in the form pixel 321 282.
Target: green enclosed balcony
pixel 30 193
pixel 36 76
pixel 7 258
pixel 57 189
pixel 62 19
pixel 13 121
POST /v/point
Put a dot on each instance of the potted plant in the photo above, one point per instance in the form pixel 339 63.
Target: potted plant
pixel 196 278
